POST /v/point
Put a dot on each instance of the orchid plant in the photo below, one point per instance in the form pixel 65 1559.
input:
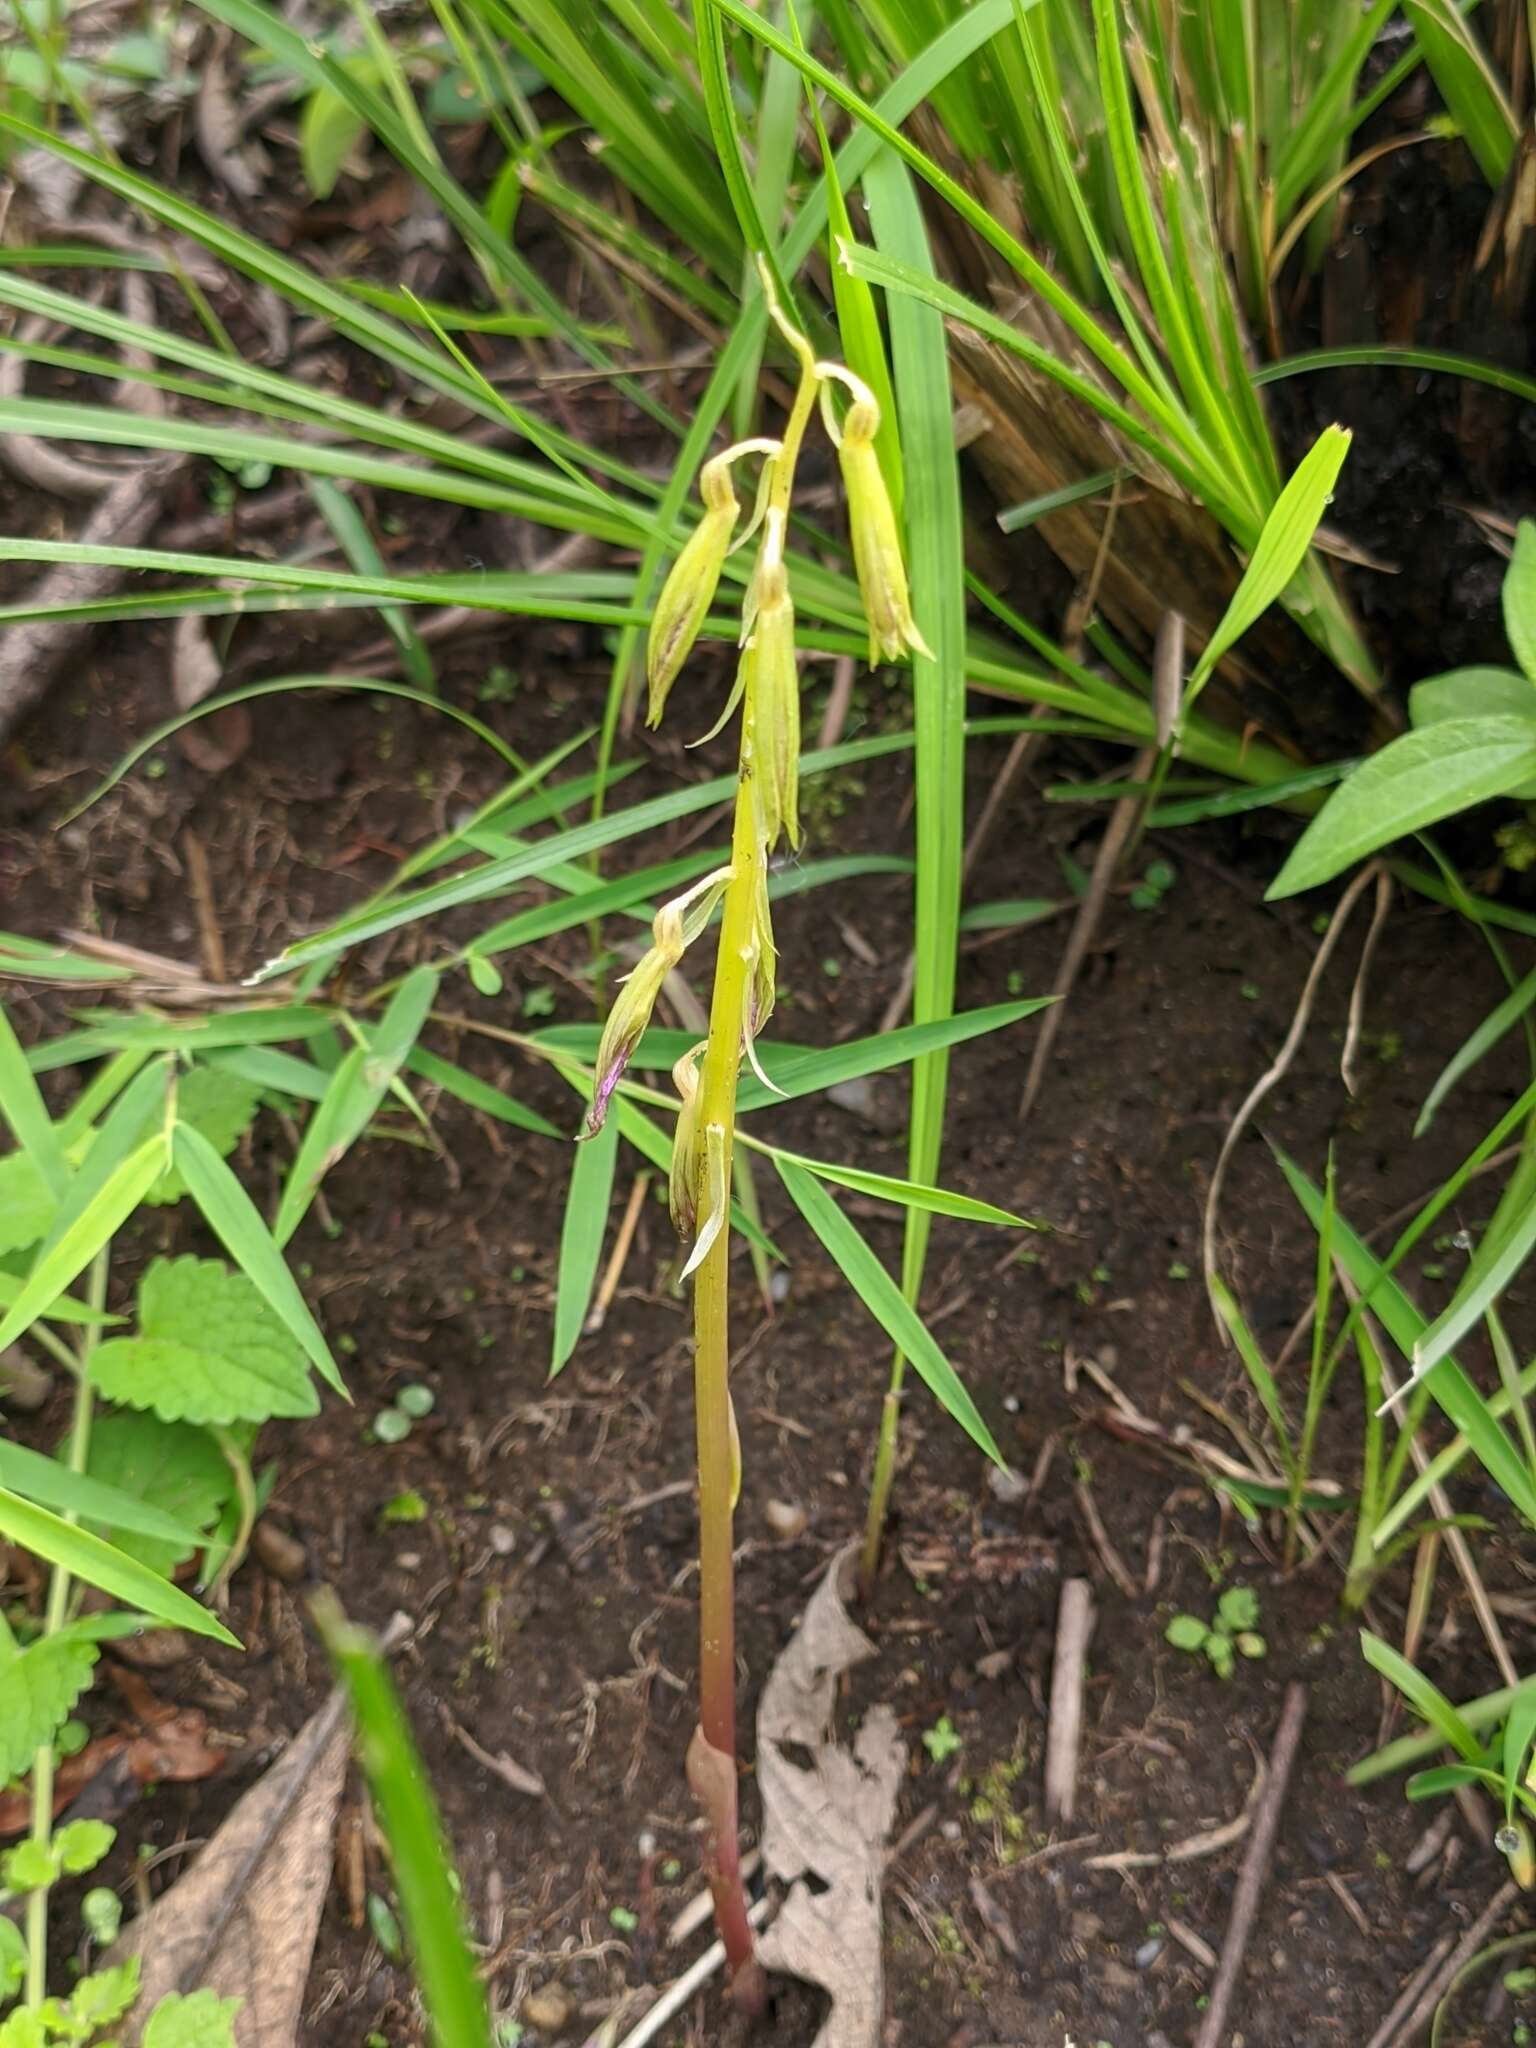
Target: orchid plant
pixel 767 694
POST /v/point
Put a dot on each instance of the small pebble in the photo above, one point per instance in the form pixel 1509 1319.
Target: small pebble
pixel 778 1286
pixel 951 1830
pixel 408 1561
pixel 284 1556
pixel 548 2009
pixel 1010 1487
pixel 785 1519
pixel 502 1540
pixel 1011 1404
pixel 1148 1953
pixel 24 1385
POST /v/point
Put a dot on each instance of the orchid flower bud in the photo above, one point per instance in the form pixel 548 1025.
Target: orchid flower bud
pixel 689 590
pixel 683 1186
pixel 776 714
pixel 877 557
pixel 675 927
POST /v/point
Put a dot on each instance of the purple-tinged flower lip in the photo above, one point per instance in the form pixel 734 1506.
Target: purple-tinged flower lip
pixel 603 1092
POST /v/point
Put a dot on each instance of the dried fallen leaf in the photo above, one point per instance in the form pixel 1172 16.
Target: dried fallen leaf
pixel 829 1820
pixel 242 1922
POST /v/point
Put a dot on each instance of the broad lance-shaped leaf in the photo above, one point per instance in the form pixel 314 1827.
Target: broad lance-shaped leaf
pixel 217 1102
pixel 581 1238
pixel 885 1301
pixel 26 1204
pixel 1414 781
pixel 208 1349
pixel 1280 550
pixel 86 1235
pixel 97 1563
pixel 27 1114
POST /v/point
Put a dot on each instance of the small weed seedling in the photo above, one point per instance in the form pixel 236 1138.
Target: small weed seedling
pixel 1232 1634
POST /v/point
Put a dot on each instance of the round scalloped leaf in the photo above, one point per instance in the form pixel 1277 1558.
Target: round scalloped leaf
pixel 198 2019
pixel 208 1350
pixel 38 1687
pixel 217 1103
pixel 172 1466
pixel 26 1207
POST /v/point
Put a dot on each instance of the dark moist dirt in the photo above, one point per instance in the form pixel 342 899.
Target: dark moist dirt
pixel 551 1576
pixel 551 1579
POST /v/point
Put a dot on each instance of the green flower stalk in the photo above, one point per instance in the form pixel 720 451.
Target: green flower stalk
pixel 767 692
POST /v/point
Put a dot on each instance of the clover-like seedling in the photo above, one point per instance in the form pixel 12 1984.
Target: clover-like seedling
pixel 1232 1634
pixel 943 1739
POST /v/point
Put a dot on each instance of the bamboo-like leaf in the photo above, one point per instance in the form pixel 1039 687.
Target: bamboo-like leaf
pixel 98 1563
pixel 236 1222
pixel 885 1301
pixel 1280 550
pixel 581 1238
pixel 887 1187
pixel 85 1234
pixel 469 1088
pixel 356 1089
pixel 22 1105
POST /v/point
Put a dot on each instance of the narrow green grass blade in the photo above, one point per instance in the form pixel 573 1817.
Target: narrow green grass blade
pixel 1468 84
pixel 1438 361
pixel 351 530
pixel 1519 1733
pixel 1257 1368
pixel 1501 1019
pixel 885 1301
pixel 22 1105
pixel 97 1563
pixel 236 1222
pixel 1494 1266
pixel 1426 1699
pixel 581 1238
pixel 936 551
pixel 450 1988
pixel 1468 1409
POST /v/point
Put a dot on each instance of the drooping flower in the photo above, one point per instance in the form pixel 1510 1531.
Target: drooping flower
pixel 877 557
pixel 689 590
pixel 673 929
pixel 776 709
pixel 683 1186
